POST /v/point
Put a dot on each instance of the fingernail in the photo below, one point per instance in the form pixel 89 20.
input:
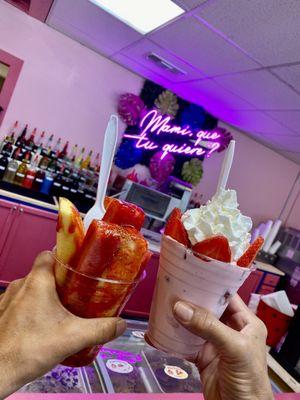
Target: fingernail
pixel 183 311
pixel 121 327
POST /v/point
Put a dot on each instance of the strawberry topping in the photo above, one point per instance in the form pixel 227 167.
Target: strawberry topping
pixel 216 247
pixel 175 228
pixel 248 257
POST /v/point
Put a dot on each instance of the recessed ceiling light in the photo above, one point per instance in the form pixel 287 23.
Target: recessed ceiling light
pixel 141 15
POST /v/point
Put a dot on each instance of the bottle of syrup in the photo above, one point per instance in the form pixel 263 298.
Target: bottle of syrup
pixel 22 169
pixel 3 166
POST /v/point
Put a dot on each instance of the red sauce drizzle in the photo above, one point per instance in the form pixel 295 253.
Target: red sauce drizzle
pixel 59 224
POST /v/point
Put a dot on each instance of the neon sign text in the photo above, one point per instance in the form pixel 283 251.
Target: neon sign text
pixel 201 143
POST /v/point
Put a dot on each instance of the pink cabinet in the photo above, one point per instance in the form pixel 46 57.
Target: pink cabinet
pixel 7 215
pixel 250 285
pixel 28 231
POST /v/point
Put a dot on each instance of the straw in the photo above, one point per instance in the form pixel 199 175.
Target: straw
pixel 226 166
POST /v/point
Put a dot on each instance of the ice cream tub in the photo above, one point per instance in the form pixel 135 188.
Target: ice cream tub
pixel 201 281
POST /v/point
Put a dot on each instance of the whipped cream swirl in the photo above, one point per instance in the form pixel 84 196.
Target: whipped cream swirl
pixel 220 216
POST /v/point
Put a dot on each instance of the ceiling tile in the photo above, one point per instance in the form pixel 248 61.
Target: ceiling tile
pixel 200 46
pixel 262 89
pixel 263 139
pixel 286 143
pixel 291 119
pixel 290 74
pixel 138 52
pixel 267 30
pixel 257 122
pixel 292 156
pixel 141 70
pixel 189 4
pixel 91 26
pixel 209 93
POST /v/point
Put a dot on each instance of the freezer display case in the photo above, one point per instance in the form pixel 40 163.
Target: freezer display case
pixel 125 365
pixel 62 380
pixel 130 365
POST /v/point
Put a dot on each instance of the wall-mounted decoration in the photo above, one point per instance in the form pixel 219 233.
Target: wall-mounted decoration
pixel 167 134
pixel 167 103
pixel 130 108
pixel 192 171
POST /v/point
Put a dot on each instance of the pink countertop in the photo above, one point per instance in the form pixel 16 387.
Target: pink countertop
pixel 129 396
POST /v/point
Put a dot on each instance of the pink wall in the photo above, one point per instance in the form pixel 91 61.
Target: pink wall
pixel 70 91
pixel 294 217
pixel 64 87
pixel 261 177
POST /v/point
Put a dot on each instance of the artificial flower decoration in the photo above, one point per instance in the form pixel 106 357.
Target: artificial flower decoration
pixel 132 176
pixel 150 93
pixel 225 138
pixel 193 116
pixel 128 155
pixel 167 103
pixel 130 108
pixel 141 174
pixel 192 171
pixel 161 169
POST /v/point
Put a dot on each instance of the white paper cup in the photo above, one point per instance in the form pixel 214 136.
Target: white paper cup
pixel 183 276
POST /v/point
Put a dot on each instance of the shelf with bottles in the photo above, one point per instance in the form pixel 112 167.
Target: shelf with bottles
pixel 38 164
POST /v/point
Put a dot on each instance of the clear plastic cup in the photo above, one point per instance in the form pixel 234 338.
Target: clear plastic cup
pixel 183 276
pixel 90 297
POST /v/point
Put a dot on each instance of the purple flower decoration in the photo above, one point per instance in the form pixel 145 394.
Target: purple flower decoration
pixel 130 108
pixel 225 138
pixel 160 169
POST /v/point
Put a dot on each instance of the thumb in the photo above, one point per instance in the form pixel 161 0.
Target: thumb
pixel 95 331
pixel 202 323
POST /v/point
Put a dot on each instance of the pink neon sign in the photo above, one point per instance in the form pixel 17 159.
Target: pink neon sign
pixel 201 143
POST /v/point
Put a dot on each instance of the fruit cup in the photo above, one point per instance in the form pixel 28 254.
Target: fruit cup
pixel 90 297
pixel 200 280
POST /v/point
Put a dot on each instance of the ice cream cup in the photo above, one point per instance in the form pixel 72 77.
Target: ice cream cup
pixel 90 297
pixel 183 276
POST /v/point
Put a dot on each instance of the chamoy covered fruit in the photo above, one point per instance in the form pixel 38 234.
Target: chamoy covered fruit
pixel 216 247
pixel 112 251
pixel 248 257
pixel 106 263
pixel 175 228
pixel 70 232
pixel 122 213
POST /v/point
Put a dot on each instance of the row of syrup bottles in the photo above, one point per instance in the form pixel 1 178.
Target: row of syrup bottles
pixel 36 165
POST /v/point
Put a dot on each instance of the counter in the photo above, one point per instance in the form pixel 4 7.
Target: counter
pixel 131 396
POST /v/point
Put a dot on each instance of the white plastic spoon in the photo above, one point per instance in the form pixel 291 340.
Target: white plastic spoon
pixel 226 166
pixel 108 151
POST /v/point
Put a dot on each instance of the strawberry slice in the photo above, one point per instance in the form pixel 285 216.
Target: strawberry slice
pixel 175 228
pixel 107 201
pixel 216 247
pixel 122 213
pixel 248 257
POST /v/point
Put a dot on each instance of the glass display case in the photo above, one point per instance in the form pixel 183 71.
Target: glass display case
pixel 61 380
pixel 125 365
pixel 130 365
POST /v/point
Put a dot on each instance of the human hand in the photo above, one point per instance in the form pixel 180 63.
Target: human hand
pixel 37 332
pixel 232 362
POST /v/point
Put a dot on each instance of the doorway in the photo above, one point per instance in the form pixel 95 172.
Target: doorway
pixel 10 69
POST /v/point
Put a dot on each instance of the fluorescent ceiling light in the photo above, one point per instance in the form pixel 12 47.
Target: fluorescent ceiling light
pixel 141 15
